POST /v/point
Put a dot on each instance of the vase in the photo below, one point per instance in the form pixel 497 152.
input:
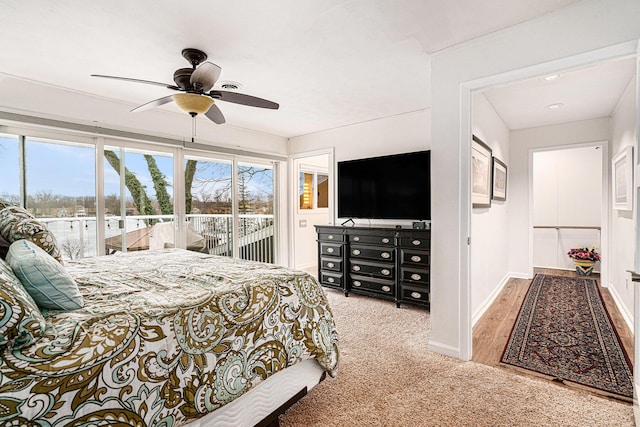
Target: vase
pixel 584 267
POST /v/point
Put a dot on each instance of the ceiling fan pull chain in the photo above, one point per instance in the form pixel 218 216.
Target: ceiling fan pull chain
pixel 193 129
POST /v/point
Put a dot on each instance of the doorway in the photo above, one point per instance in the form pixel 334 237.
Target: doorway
pixel 311 204
pixel 569 194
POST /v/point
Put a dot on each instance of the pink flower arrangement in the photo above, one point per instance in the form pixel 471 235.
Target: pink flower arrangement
pixel 584 253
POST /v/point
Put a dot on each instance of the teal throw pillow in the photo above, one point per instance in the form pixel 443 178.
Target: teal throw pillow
pixel 45 279
pixel 21 323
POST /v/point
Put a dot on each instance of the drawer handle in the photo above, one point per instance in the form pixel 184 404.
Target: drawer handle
pixel 356 268
pixel 356 283
pixel 330 265
pixel 416 258
pixel 416 295
pixel 385 240
pixel 385 272
pixel 330 279
pixel 416 242
pixel 416 276
pixel 355 252
pixel 330 250
pixel 330 237
pixel 385 255
pixel 356 239
pixel 386 288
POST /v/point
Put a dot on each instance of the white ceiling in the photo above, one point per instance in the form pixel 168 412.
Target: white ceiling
pixel 327 63
pixel 585 93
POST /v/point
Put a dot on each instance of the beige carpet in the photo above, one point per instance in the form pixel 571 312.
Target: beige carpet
pixel 387 377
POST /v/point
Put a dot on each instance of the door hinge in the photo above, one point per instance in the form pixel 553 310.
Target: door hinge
pixel 468 240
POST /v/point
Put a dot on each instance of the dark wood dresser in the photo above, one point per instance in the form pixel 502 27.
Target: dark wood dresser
pixel 385 262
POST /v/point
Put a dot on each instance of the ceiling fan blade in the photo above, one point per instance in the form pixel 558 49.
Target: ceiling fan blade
pixel 215 115
pixel 205 76
pixel 240 98
pixel 127 79
pixel 152 104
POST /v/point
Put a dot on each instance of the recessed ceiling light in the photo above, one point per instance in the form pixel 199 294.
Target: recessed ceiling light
pixel 554 106
pixel 551 77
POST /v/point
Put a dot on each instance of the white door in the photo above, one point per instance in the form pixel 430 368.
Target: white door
pixel 312 198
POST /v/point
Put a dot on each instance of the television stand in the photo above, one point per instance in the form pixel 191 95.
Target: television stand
pixel 385 262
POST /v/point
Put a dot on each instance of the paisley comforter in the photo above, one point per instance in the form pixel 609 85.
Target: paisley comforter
pixel 165 337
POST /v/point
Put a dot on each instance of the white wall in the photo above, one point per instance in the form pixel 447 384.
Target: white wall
pixel 391 135
pixel 489 231
pixel 569 37
pixel 567 192
pixel 623 134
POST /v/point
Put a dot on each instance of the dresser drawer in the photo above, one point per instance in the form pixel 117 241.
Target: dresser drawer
pixel 373 269
pixel 331 249
pixel 331 279
pixel 411 257
pixel 368 252
pixel 331 237
pixel 379 286
pixel 414 275
pixel 333 264
pixel 415 242
pixel 415 294
pixel 386 240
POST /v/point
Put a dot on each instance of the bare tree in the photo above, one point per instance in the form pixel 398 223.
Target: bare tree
pixel 72 248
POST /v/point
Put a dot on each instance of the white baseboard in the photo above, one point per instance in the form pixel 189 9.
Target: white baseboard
pixel 626 315
pixel 445 349
pixel 494 294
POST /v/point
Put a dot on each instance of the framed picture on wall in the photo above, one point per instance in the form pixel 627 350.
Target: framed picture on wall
pixel 499 180
pixel 480 174
pixel 622 179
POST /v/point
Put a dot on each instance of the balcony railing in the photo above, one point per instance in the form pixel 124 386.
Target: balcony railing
pixel 76 236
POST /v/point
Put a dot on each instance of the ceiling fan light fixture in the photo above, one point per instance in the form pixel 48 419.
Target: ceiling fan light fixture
pixel 193 103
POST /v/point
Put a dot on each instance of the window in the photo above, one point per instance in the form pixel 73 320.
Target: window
pixel 10 168
pixel 209 204
pixel 142 198
pixel 306 190
pixel 61 191
pixel 255 208
pixel 229 204
pixel 313 190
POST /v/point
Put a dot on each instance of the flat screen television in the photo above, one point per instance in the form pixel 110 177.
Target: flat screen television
pixel 387 187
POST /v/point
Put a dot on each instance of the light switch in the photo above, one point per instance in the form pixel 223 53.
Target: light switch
pixel 302 223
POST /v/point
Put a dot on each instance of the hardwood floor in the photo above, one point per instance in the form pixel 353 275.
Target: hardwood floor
pixel 492 331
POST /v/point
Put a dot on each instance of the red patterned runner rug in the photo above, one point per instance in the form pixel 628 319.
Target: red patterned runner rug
pixel 564 330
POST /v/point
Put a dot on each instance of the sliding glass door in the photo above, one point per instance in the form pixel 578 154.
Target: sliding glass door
pixel 138 198
pixel 223 206
pixel 10 160
pixel 256 211
pixel 209 205
pixel 55 181
pixel 230 204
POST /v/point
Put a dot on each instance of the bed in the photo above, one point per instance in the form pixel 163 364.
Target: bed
pixel 171 338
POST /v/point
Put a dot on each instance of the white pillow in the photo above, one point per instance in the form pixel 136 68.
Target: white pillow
pixel 44 278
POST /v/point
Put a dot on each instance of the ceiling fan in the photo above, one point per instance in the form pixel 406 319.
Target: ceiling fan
pixel 196 83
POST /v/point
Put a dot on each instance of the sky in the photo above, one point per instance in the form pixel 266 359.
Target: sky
pixel 70 170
